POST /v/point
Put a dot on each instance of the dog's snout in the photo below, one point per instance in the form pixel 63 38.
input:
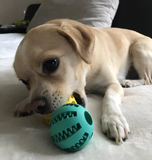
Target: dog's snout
pixel 38 105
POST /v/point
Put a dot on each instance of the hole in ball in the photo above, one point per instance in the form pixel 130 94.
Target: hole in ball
pixel 88 117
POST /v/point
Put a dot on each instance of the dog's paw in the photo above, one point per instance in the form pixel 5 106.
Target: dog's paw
pixel 22 110
pixel 115 127
pixel 127 83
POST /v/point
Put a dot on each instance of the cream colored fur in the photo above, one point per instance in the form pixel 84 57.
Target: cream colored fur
pixel 91 59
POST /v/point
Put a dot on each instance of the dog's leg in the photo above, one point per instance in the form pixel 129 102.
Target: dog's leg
pixel 126 83
pixel 141 53
pixel 113 123
pixel 22 109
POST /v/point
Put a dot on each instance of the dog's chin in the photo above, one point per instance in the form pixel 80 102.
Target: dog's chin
pixel 79 99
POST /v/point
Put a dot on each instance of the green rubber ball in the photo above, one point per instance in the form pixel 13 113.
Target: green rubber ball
pixel 71 127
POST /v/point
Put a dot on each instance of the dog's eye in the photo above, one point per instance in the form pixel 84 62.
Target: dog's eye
pixel 24 82
pixel 51 65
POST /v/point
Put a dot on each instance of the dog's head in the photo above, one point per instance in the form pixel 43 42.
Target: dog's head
pixel 52 61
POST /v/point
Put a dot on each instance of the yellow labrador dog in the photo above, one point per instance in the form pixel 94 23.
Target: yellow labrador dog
pixel 64 57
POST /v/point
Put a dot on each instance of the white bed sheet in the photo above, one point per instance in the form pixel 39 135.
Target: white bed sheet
pixel 27 138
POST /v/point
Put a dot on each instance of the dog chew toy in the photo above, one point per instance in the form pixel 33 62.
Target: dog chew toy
pixel 48 117
pixel 71 127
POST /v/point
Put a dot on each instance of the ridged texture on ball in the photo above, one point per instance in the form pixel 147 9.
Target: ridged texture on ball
pixel 71 127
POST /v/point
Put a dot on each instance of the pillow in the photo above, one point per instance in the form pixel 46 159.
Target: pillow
pixel 97 13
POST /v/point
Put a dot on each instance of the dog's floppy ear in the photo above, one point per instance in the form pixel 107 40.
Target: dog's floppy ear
pixel 81 38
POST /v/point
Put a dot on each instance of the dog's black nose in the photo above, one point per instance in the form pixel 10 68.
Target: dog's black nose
pixel 38 105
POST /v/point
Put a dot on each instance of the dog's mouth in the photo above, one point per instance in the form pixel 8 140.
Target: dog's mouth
pixel 79 99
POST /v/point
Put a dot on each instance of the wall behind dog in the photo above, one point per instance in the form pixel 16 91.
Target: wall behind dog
pixel 11 10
